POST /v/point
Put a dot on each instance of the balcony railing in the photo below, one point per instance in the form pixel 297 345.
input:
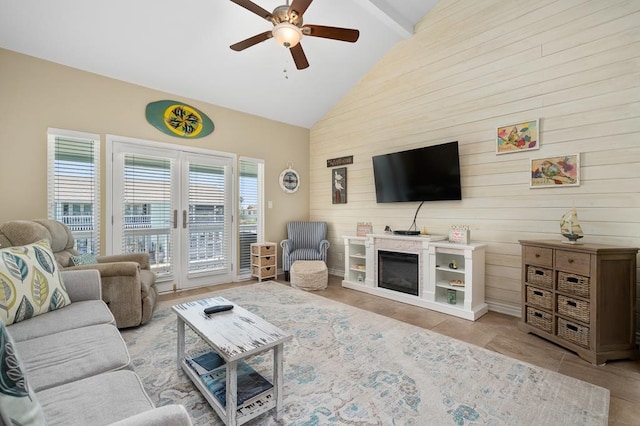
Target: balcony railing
pixel 78 223
pixel 156 241
pixel 137 221
pixel 85 222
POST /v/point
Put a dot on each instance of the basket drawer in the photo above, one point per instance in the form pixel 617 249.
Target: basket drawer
pixel 541 277
pixel 538 255
pixel 263 249
pixel 574 308
pixel 539 319
pixel 573 284
pixel 264 260
pixel 580 263
pixel 265 271
pixel 575 333
pixel 539 297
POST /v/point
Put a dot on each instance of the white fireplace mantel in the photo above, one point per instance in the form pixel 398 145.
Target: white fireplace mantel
pixel 434 274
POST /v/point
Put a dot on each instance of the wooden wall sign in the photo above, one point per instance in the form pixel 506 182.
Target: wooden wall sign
pixel 341 161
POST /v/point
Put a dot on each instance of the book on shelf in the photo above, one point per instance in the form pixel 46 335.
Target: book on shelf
pixel 205 362
pixel 250 383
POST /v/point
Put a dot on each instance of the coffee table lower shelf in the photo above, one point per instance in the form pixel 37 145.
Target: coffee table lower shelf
pixel 250 409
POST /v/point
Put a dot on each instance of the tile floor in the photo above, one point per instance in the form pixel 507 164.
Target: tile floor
pixel 499 333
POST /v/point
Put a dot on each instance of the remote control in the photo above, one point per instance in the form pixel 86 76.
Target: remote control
pixel 217 308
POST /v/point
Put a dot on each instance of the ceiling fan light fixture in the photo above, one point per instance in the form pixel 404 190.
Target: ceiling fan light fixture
pixel 288 35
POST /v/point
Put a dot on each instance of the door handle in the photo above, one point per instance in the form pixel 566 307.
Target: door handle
pixel 184 219
pixel 175 219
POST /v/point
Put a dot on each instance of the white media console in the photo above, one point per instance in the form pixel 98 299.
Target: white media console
pixel 450 276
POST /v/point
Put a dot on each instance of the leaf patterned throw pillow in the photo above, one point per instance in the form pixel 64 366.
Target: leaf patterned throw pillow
pixel 30 282
pixel 18 403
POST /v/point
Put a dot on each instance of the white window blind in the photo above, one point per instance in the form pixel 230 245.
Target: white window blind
pixel 146 209
pixel 73 185
pixel 208 229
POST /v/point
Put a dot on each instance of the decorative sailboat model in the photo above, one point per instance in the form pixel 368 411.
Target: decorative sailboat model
pixel 570 227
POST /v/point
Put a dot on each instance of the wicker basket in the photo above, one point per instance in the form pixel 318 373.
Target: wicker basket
pixel 538 297
pixel 265 271
pixel 540 276
pixel 573 284
pixel 264 261
pixel 575 333
pixel 263 249
pixel 574 308
pixel 539 319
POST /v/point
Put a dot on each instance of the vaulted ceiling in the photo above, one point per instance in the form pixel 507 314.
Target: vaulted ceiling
pixel 183 48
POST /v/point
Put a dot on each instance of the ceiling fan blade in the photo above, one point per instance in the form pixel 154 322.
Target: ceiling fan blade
pixel 252 7
pixel 299 57
pixel 335 33
pixel 241 45
pixel 299 6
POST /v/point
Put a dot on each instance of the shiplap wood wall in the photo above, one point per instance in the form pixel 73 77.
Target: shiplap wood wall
pixel 473 66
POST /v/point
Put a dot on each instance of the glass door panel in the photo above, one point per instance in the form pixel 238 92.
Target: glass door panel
pixel 207 222
pixel 147 210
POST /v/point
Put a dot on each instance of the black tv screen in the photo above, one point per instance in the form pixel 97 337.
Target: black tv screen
pixel 431 173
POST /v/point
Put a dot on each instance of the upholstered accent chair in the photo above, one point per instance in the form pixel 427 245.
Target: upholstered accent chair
pixel 128 284
pixel 305 241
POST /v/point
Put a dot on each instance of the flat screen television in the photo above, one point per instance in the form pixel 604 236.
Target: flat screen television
pixel 431 173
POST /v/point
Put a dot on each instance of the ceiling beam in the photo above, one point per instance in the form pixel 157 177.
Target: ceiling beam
pixel 384 11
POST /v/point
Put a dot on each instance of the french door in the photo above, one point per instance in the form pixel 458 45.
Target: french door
pixel 176 205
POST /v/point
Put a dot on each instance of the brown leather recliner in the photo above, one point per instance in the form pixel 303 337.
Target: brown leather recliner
pixel 128 284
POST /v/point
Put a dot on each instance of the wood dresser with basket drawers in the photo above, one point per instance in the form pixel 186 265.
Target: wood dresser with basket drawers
pixel 581 296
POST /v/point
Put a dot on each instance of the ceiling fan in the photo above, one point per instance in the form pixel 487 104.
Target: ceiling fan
pixel 288 29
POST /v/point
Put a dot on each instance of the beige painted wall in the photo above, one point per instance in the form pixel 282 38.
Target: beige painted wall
pixel 36 95
pixel 470 67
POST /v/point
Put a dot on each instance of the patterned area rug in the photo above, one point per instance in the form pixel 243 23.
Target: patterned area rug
pixel 350 366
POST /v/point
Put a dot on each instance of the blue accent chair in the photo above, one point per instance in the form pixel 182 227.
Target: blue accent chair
pixel 305 241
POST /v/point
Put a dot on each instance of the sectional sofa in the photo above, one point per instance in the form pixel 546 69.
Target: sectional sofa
pixel 77 367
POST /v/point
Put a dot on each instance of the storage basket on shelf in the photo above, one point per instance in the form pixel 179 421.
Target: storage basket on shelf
pixel 575 333
pixel 265 271
pixel 264 249
pixel 539 319
pixel 573 284
pixel 574 308
pixel 538 297
pixel 540 276
pixel 265 261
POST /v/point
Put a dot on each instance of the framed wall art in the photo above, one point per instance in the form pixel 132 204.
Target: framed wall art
pixel 339 185
pixel 555 171
pixel 459 234
pixel 518 137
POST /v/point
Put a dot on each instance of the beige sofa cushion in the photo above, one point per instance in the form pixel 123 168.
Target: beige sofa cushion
pixel 76 315
pixel 98 400
pixel 72 355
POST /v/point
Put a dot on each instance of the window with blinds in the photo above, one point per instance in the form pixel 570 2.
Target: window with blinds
pixel 73 185
pixel 250 209
pixel 208 229
pixel 147 210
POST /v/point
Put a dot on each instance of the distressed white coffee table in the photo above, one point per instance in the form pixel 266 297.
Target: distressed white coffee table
pixel 234 335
